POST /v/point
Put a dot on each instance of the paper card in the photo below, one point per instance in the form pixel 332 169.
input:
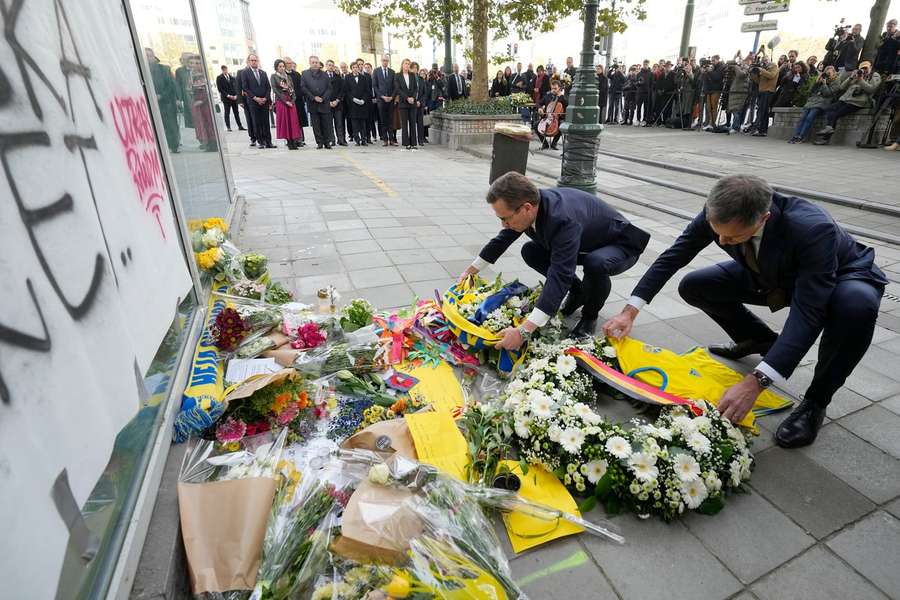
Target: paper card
pixel 439 442
pixel 401 382
pixel 539 486
pixel 437 386
pixel 240 369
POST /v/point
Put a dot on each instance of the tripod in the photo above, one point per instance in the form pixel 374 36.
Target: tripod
pixel 889 101
pixel 660 113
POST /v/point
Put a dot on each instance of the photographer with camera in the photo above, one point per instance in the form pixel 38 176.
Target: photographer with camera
pixel 643 93
pixel 888 49
pixel 765 74
pixel 790 84
pixel 739 90
pixel 712 77
pixel 820 98
pixel 616 83
pixel 857 89
pixel 844 47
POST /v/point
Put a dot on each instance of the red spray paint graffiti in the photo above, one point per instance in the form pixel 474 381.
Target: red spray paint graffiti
pixel 132 122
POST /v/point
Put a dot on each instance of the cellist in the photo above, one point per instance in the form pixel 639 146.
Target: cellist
pixel 552 109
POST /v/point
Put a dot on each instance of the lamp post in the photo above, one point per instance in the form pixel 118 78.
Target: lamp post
pixel 448 57
pixel 581 128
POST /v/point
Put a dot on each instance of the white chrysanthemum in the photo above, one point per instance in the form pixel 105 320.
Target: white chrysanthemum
pixel 571 440
pixel 213 237
pixel 609 352
pixel 541 405
pixel 514 400
pixel 643 466
pixel 713 483
pixel 516 385
pixel 734 470
pixel 537 378
pixel 521 428
pixel 565 365
pixel 553 433
pixel 699 443
pixel 686 467
pixel 662 433
pixel 694 493
pixel 515 302
pixel 619 447
pixel 596 469
pixel 702 424
pixel 684 424
pixel 539 364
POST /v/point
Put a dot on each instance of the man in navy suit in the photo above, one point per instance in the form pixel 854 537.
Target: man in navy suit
pixel 784 252
pixel 566 227
pixel 384 83
pixel 255 85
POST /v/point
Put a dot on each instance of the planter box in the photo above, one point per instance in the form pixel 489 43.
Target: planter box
pixel 849 130
pixel 465 130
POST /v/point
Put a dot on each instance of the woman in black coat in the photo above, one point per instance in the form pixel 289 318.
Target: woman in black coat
pixel 407 94
pixel 359 94
pixel 500 86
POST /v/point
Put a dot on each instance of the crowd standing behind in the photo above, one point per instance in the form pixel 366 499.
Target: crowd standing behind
pixel 363 104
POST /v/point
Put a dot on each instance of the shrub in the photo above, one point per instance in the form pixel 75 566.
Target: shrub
pixel 492 106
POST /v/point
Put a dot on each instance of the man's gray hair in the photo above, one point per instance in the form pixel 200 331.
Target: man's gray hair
pixel 742 198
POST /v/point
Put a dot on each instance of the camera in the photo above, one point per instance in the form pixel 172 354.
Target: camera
pixel 841 28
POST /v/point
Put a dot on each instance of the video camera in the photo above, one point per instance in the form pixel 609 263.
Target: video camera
pixel 840 29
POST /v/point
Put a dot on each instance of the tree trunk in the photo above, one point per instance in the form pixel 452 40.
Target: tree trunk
pixel 877 17
pixel 479 50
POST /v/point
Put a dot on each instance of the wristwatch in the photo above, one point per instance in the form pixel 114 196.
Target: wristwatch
pixel 526 335
pixel 763 379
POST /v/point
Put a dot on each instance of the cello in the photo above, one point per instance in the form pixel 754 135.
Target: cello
pixel 549 125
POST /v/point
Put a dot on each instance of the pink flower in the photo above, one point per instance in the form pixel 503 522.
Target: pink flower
pixel 321 411
pixel 308 336
pixel 288 414
pixel 231 430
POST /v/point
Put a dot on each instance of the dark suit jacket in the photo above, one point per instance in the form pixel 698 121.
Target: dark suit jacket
pixel 570 222
pixel 337 89
pixel 358 89
pixel 300 101
pixel 456 89
pixel 499 88
pixel 424 94
pixel 519 82
pixel 384 85
pixel 803 252
pixel 253 88
pixel 316 83
pixel 404 91
pixel 227 86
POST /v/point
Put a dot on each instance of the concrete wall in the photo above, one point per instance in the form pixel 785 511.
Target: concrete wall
pixel 850 129
pixel 465 130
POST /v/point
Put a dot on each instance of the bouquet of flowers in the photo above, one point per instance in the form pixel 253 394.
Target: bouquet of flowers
pixel 272 293
pixel 521 99
pixel 356 315
pixel 211 248
pixel 511 304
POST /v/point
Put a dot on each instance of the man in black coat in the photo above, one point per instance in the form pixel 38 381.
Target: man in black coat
pixel 359 94
pixel 318 92
pixel 784 252
pixel 456 85
pixel 372 121
pixel 616 86
pixel 384 82
pixel 643 92
pixel 566 227
pixel 245 101
pixel 227 87
pixel 256 87
pixel 520 82
pixel 602 92
pixel 843 52
pixel 337 102
pixel 664 91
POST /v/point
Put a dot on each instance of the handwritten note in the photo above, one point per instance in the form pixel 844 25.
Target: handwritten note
pixel 439 442
pixel 240 369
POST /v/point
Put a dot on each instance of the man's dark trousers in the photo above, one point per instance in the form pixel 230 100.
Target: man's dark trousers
pixel 260 120
pixel 386 119
pixel 599 265
pixel 251 125
pixel 322 126
pixel 231 105
pixel 722 290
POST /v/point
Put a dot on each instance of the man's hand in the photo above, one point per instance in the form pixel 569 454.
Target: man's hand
pixel 620 325
pixel 386 98
pixel 470 270
pixel 317 98
pixel 737 400
pixel 333 103
pixel 512 339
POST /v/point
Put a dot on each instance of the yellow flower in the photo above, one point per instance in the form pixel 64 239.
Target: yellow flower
pixel 233 446
pixel 216 222
pixel 398 587
pixel 208 258
pixel 195 224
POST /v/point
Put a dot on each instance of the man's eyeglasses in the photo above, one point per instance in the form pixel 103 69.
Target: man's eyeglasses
pixel 505 220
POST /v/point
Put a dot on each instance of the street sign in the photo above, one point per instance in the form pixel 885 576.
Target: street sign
pixel 752 26
pixel 768 7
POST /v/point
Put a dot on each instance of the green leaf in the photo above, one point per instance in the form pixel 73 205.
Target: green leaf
pixel 711 505
pixel 613 505
pixel 588 505
pixel 604 486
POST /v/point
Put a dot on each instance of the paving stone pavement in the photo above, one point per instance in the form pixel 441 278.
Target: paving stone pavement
pixel 823 522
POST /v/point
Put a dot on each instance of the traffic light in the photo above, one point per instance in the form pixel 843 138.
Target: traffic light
pixel 598 42
pixel 516 49
pixel 509 49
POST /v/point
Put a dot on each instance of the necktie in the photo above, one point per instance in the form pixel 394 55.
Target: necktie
pixel 458 83
pixel 750 256
pixel 256 74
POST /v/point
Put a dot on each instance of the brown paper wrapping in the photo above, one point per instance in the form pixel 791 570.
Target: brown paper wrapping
pixel 223 524
pixel 257 382
pixel 395 429
pixel 379 518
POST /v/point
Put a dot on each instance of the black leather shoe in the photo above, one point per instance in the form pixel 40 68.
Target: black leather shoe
pixel 584 328
pixel 801 427
pixel 736 350
pixel 574 301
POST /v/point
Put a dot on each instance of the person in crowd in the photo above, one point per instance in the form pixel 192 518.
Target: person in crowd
pixel 570 69
pixel 185 89
pixel 228 96
pixel 348 123
pixel 554 102
pixel 318 91
pixel 385 86
pixel 602 92
pixel 784 252
pixel 246 101
pixel 372 133
pixel 643 93
pixel 812 65
pixel 541 84
pixel 255 84
pixel 469 72
pixel 456 85
pixel 713 77
pixel 664 91
pixel 422 95
pixel 407 92
pixel 520 81
pixel 200 106
pixel 857 89
pixel 336 104
pixel 843 51
pixel 566 227
pixel 629 93
pixel 766 76
pixel 287 123
pixel 821 95
pixel 888 49
pixel 686 83
pixel 507 76
pixel 791 84
pixel 499 87
pixel 359 94
pixel 616 89
pixel 290 68
pixel 436 85
pixel 166 98
pixel 738 90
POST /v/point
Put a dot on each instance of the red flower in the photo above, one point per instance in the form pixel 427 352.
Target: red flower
pixel 309 335
pixel 231 430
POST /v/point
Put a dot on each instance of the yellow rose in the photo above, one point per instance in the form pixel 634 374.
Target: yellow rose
pixel 195 224
pixel 398 587
pixel 215 222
